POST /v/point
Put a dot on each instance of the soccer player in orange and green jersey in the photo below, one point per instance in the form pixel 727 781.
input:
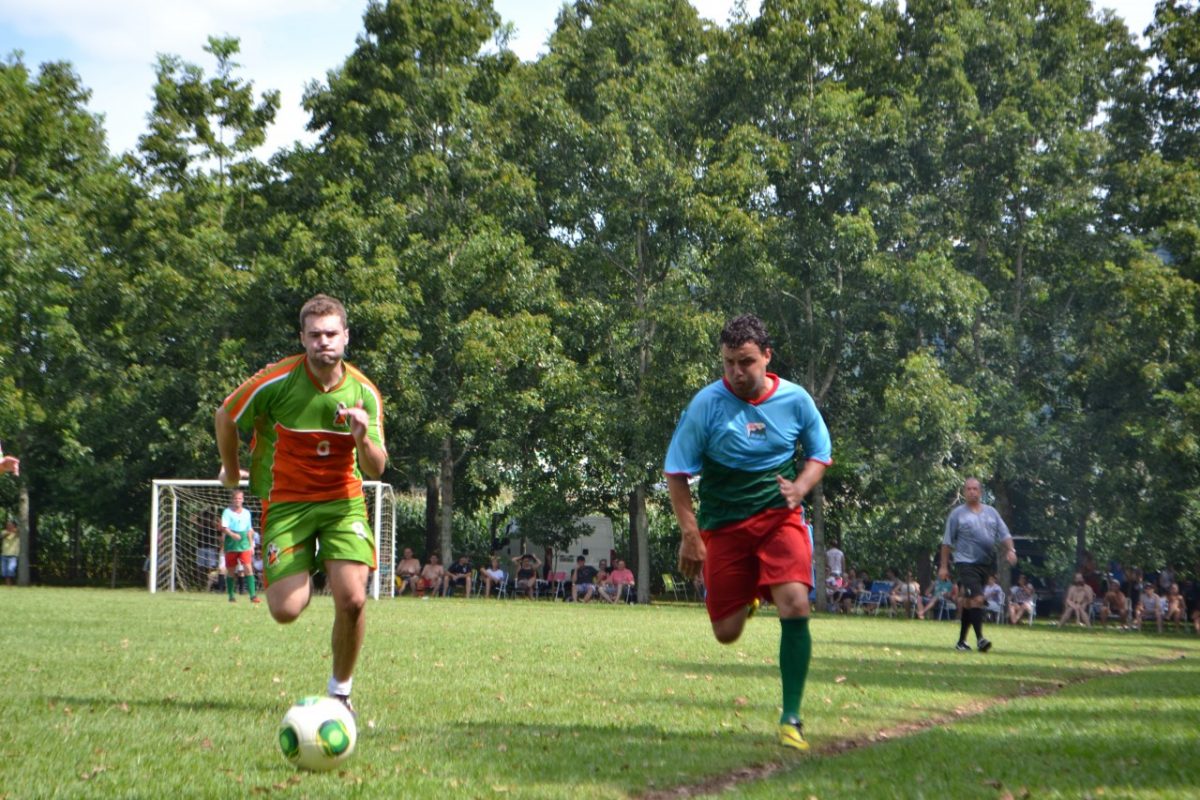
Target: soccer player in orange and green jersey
pixel 317 428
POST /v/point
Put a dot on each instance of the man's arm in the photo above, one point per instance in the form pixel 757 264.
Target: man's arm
pixel 795 491
pixel 371 457
pixel 227 445
pixel 1008 549
pixel 944 569
pixel 691 547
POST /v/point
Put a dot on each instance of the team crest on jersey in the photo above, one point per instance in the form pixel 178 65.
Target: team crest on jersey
pixel 272 553
pixel 341 419
pixel 359 529
pixel 756 430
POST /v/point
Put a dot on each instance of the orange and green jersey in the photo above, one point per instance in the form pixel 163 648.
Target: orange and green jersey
pixel 302 449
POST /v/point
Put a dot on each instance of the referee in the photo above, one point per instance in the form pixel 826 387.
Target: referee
pixel 973 530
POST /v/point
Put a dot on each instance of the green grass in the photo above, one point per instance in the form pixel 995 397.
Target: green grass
pixel 111 694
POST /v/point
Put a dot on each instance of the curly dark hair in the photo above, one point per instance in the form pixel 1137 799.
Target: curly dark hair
pixel 746 328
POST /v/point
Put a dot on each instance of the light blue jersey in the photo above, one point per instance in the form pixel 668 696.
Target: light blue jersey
pixel 739 447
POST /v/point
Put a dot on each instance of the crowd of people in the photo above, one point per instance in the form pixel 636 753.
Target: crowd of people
pixel 523 576
pixel 1127 599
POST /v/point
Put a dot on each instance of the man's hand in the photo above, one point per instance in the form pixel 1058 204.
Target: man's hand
pixel 1011 556
pixel 358 420
pixel 791 491
pixel 229 482
pixel 692 553
pixel 943 573
pixel 10 464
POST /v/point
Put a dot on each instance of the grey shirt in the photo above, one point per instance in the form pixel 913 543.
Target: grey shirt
pixel 973 536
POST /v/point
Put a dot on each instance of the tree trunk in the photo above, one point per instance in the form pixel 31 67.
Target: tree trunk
pixel 432 497
pixel 26 535
pixel 817 506
pixel 639 542
pixel 446 517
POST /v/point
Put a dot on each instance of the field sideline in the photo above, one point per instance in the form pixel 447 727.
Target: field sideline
pixel 121 694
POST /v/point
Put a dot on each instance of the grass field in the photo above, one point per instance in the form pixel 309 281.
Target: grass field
pixel 123 694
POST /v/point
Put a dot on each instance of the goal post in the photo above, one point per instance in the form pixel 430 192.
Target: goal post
pixel 185 534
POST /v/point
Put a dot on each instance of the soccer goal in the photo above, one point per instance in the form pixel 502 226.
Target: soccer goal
pixel 185 534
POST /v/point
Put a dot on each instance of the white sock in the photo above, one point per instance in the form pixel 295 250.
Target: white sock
pixel 340 687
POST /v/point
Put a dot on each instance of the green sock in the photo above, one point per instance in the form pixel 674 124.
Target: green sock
pixel 250 587
pixel 795 651
pixel 230 585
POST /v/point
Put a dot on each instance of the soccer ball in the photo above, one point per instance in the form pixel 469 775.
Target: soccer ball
pixel 317 733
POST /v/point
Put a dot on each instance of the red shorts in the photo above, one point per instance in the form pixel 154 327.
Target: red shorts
pixel 244 556
pixel 745 559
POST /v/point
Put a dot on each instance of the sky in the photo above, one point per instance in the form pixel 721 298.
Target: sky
pixel 285 45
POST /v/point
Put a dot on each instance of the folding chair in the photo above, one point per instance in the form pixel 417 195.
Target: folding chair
pixel 673 586
pixel 946 609
pixel 558 582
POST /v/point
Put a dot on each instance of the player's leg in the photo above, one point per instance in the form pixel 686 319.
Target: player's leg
pixel 247 559
pixel 289 545
pixel 231 561
pixel 785 559
pixel 348 583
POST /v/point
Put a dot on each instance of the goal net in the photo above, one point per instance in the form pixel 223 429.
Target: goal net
pixel 185 534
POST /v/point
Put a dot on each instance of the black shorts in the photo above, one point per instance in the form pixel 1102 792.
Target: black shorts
pixel 972 578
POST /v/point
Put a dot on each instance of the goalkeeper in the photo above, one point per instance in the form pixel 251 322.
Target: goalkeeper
pixel 740 435
pixel 238 545
pixel 316 421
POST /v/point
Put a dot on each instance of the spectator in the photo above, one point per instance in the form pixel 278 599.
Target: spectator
pixel 1165 579
pixel 938 591
pixel 847 592
pixel 1150 606
pixel 1174 603
pixel 1020 600
pixel 906 594
pixel 10 552
pixel 993 597
pixel 1078 602
pixel 1132 589
pixel 1193 599
pixel 527 566
pixel 835 559
pixel 408 572
pixel 459 572
pixel 432 577
pixel 492 576
pixel 583 579
pixel 1114 604
pixel 619 580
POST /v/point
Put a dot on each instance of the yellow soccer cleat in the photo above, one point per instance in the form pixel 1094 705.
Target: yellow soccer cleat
pixel 791 734
pixel 751 608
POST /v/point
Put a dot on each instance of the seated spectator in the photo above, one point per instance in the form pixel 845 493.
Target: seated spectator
pixel 1114 604
pixel 492 576
pixel 833 587
pixel 583 579
pixel 1020 600
pixel 842 598
pixel 1078 602
pixel 993 596
pixel 939 591
pixel 408 572
pixel 460 572
pixel 1150 606
pixel 1174 603
pixel 431 578
pixel 905 594
pixel 620 580
pixel 527 567
pixel 1193 599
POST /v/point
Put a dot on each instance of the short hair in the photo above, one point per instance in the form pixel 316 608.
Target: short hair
pixel 746 328
pixel 322 305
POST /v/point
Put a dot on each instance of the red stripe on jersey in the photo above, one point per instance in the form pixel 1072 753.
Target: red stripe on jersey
pixel 311 466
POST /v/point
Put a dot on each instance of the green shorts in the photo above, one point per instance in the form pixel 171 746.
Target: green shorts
pixel 298 537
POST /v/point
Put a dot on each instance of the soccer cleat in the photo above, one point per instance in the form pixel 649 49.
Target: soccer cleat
pixel 963 647
pixel 344 699
pixel 233 599
pixel 256 599
pixel 791 734
pixel 752 608
pixel 984 645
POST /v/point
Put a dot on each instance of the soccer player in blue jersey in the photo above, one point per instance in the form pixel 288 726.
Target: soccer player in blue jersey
pixel 740 435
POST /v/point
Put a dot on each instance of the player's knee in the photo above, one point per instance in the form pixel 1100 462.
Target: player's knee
pixel 352 603
pixel 284 613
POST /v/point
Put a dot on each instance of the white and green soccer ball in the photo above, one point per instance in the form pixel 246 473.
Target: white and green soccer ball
pixel 317 733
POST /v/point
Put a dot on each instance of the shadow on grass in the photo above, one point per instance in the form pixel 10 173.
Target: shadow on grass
pixel 247 704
